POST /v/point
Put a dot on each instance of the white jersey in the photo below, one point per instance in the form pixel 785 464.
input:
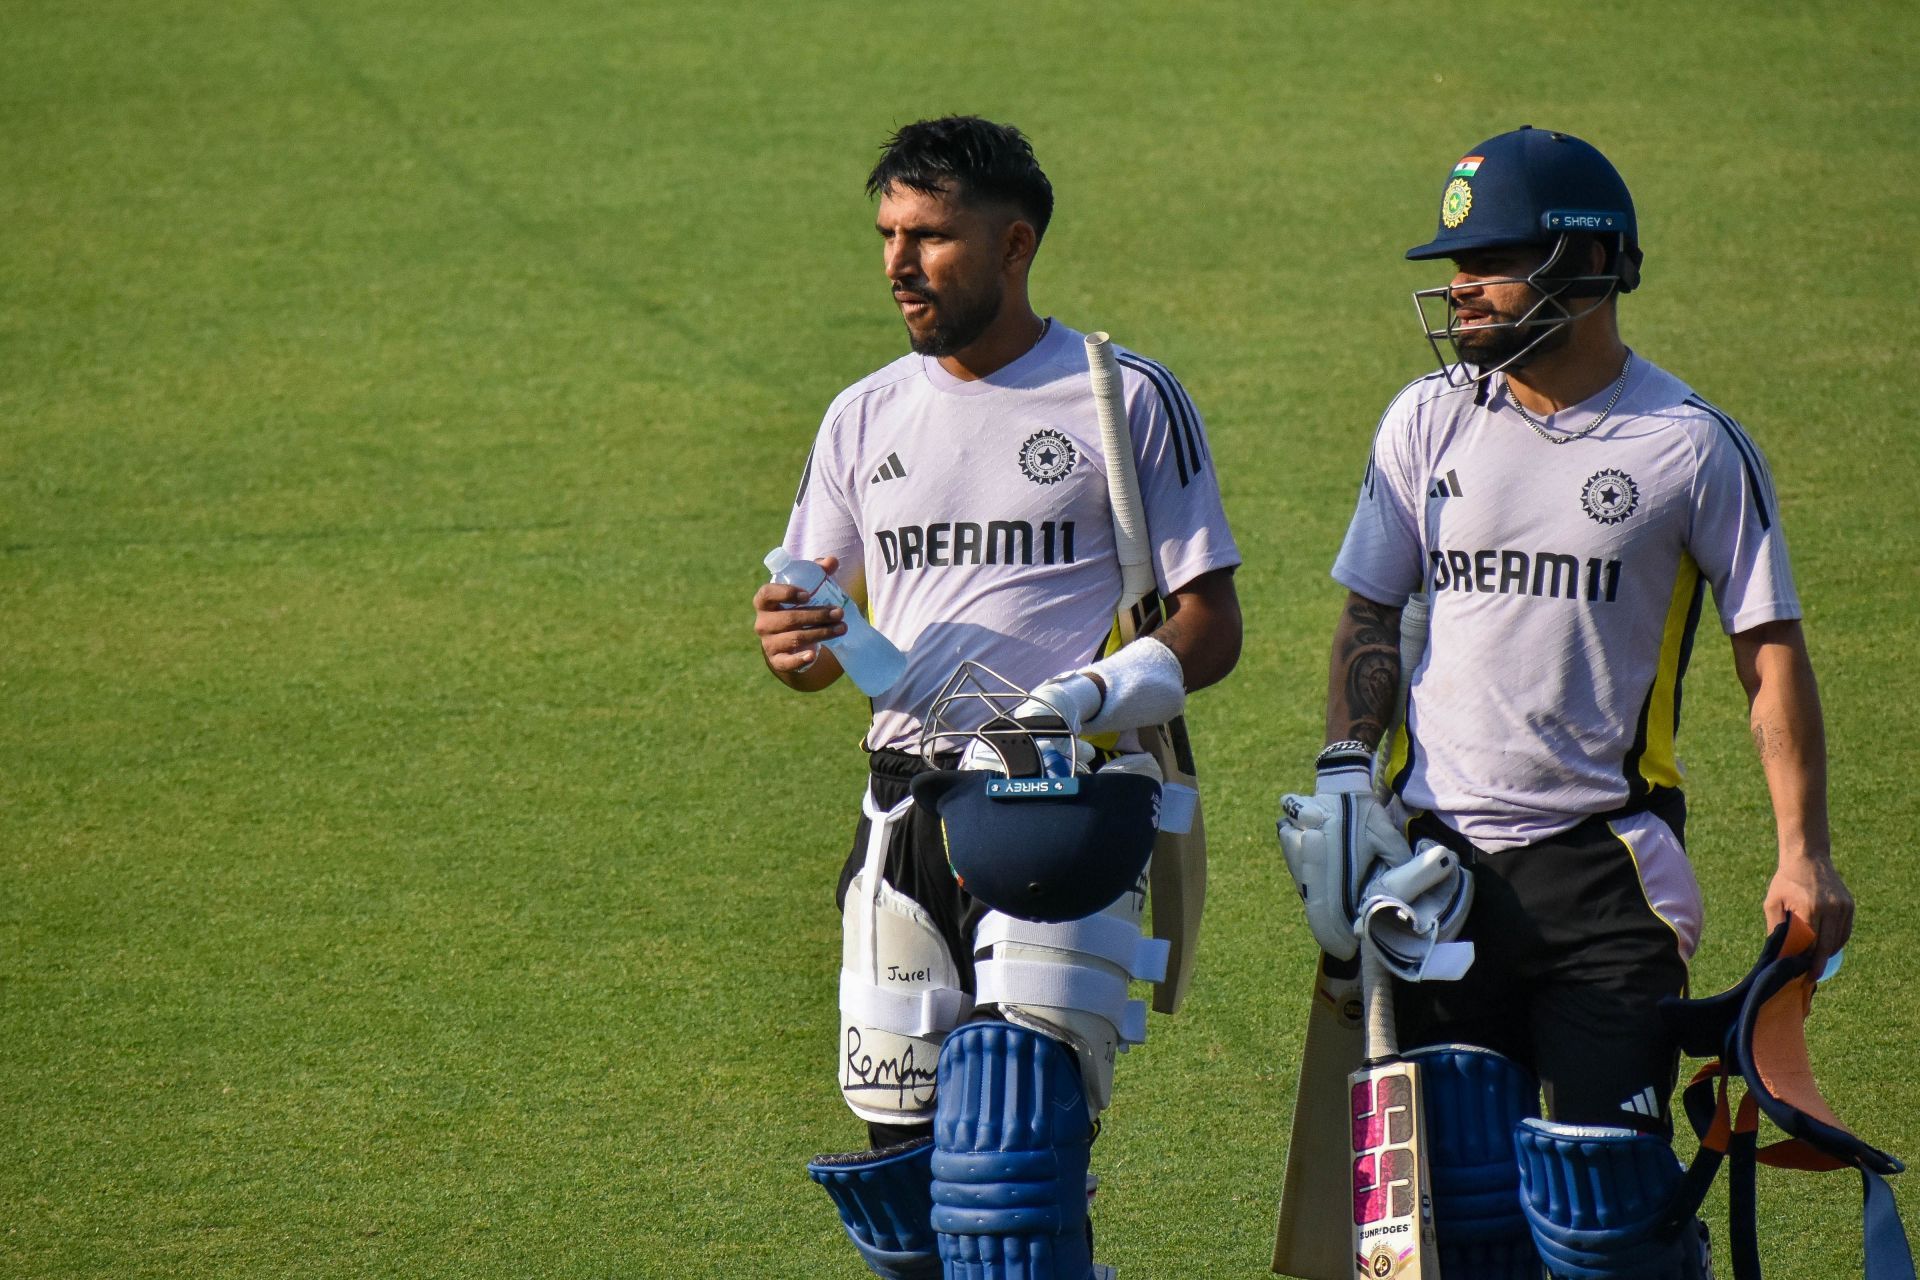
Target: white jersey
pixel 1567 580
pixel 974 516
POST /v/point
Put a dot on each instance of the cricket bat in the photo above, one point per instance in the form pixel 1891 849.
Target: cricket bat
pixel 1392 1197
pixel 1177 876
pixel 1310 1241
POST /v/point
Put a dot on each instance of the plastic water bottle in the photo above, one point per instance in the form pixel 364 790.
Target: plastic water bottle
pixel 870 659
pixel 1054 764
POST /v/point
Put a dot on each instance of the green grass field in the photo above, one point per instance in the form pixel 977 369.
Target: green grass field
pixel 407 869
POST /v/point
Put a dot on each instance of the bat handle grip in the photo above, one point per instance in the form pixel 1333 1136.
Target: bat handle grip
pixel 1123 482
pixel 1376 999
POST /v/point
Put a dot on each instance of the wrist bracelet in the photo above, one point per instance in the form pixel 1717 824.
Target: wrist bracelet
pixel 1336 750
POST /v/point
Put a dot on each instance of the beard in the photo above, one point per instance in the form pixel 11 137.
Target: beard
pixel 958 320
pixel 1486 346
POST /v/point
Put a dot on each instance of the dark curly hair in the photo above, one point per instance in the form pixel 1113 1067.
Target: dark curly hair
pixel 981 162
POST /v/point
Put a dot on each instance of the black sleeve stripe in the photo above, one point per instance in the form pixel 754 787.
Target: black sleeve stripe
pixel 806 474
pixel 1742 441
pixel 1749 458
pixel 1173 419
pixel 1164 386
pixel 1196 437
pixel 1189 416
pixel 1173 402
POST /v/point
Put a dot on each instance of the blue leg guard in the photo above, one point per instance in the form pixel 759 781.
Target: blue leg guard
pixel 1011 1134
pixel 1474 1098
pixel 1604 1203
pixel 885 1206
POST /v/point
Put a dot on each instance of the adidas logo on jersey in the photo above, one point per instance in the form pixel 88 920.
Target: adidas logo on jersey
pixel 1643 1103
pixel 1448 486
pixel 891 469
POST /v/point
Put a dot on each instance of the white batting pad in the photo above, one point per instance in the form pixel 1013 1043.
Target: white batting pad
pixel 900 990
pixel 899 996
pixel 1069 981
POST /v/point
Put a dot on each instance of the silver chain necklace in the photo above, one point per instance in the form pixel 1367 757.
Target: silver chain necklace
pixel 1554 437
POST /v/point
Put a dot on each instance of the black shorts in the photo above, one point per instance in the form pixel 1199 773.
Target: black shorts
pixel 1570 964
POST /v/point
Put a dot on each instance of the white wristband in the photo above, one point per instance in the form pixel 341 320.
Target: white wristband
pixel 1074 696
pixel 1145 685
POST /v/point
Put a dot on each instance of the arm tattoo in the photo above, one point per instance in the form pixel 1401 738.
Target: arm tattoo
pixel 1367 656
pixel 1371 678
pixel 1171 632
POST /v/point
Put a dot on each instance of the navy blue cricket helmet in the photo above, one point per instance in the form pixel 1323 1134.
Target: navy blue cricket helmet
pixel 1534 187
pixel 1044 848
pixel 1530 186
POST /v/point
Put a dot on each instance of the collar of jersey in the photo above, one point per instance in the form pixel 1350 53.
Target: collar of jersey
pixel 1018 373
pixel 1578 414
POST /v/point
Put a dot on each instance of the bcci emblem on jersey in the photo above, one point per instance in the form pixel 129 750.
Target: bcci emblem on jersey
pixel 1610 496
pixel 1047 456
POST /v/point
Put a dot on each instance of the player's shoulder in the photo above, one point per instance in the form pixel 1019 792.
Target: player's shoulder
pixel 1155 395
pixel 1145 371
pixel 1426 400
pixel 1711 427
pixel 1065 347
pixel 1430 389
pixel 887 380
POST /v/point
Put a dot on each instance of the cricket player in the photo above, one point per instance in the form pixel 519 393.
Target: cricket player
pixel 961 490
pixel 1566 504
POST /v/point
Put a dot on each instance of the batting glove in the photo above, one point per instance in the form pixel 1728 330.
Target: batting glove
pixel 1415 913
pixel 1064 703
pixel 1335 841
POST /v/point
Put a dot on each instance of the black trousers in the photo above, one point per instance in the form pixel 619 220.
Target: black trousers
pixel 1570 964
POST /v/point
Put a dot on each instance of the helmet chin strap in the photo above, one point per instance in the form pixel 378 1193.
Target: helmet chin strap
pixel 1461 371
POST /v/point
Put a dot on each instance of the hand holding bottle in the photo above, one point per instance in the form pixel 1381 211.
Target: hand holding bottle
pixel 803 610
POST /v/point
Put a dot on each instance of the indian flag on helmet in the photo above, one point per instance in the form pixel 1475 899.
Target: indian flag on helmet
pixel 1468 166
